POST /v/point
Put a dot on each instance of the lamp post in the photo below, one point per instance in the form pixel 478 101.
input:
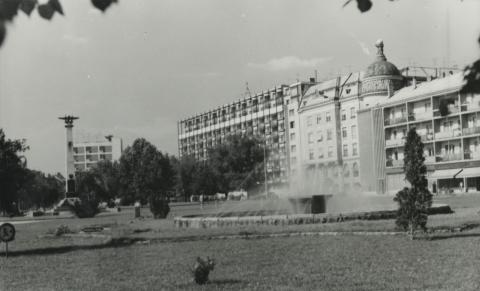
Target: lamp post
pixel 265 167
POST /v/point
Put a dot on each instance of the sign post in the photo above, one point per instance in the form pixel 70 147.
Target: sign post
pixel 7 234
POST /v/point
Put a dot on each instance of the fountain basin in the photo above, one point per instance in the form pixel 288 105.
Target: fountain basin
pixel 242 219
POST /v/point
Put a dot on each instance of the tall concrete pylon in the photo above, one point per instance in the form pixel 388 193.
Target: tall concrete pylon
pixel 69 161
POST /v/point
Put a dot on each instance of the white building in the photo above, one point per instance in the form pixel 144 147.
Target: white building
pixel 87 154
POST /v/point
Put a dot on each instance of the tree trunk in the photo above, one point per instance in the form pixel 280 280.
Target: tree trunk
pixel 411 231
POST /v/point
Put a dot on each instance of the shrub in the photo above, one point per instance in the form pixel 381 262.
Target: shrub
pixel 202 269
pixel 159 206
pixel 62 229
pixel 38 213
pixel 86 208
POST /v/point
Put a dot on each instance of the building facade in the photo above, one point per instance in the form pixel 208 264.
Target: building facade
pixel 448 123
pixel 87 154
pixel 347 134
pixel 328 132
pixel 264 115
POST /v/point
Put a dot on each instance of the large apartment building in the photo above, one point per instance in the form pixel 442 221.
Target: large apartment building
pixel 263 115
pixel 87 154
pixel 449 125
pixel 346 134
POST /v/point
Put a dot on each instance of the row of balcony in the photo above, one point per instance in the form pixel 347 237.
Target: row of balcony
pixel 429 114
pixel 450 157
pixel 438 135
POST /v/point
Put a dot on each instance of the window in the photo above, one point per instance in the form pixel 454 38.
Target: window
pixel 345 150
pixel 320 153
pixel 344 114
pixel 319 118
pixel 311 154
pixel 354 132
pixel 293 160
pixel 344 132
pixel 330 152
pixel 346 170
pixel 291 112
pixel 355 169
pixel 328 118
pixel 329 134
pixel 353 112
pixel 310 137
pixel 292 124
pixel 354 149
pixel 309 121
pixel 292 136
pixel 293 148
pixel 348 90
pixel 319 136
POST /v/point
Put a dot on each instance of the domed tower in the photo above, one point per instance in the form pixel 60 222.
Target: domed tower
pixel 381 78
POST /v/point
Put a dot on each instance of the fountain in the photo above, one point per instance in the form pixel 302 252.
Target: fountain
pixel 301 205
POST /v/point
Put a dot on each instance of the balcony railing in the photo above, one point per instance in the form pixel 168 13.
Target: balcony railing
pixel 471 130
pixel 430 160
pixel 472 155
pixel 394 163
pixel 449 157
pixel 448 134
pixel 394 142
pixel 395 120
pixel 427 137
pixel 452 109
pixel 420 116
pixel 470 106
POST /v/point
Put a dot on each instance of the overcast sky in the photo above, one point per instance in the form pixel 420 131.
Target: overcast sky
pixel 143 65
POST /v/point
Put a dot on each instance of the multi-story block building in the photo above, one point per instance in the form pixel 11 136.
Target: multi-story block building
pixel 264 115
pixel 87 154
pixel 347 134
pixel 449 125
pixel 328 136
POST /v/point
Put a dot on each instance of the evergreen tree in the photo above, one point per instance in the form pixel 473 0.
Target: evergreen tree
pixel 415 201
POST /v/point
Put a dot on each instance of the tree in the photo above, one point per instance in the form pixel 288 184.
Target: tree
pixel 144 171
pixel 186 173
pixel 39 190
pixel 238 163
pixel 205 180
pixel 12 172
pixel 10 8
pixel 415 201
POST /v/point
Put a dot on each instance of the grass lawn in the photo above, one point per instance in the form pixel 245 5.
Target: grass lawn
pixel 308 263
pixel 347 262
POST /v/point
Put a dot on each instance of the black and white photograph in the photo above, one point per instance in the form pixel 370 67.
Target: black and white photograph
pixel 239 145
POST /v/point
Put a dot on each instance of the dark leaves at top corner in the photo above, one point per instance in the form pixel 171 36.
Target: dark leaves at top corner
pixel 46 11
pixel 8 9
pixel 27 6
pixel 103 4
pixel 364 5
pixel 56 6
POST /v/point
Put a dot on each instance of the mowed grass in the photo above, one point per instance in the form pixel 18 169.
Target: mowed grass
pixel 305 263
pixel 346 262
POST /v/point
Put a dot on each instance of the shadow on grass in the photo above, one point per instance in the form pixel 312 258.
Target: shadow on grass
pixel 114 243
pixel 221 283
pixel 449 236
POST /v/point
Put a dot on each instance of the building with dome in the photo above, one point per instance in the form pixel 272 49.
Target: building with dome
pixel 346 134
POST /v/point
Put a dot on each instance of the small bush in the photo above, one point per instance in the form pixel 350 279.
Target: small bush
pixel 86 208
pixel 62 229
pixel 159 206
pixel 202 269
pixel 37 213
